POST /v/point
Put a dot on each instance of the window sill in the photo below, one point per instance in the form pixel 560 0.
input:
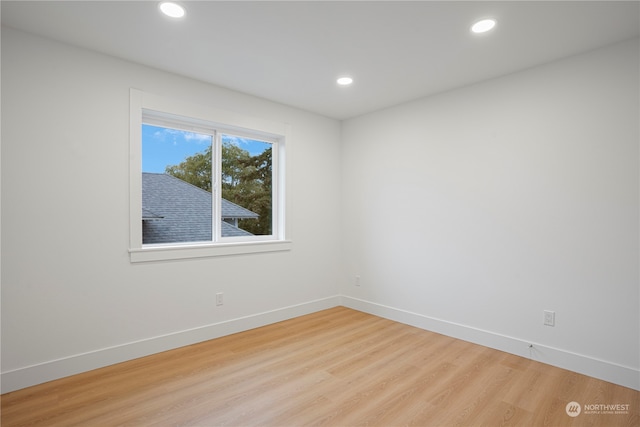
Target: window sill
pixel 166 253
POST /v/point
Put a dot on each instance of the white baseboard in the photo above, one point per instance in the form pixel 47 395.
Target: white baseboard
pixel 55 369
pixel 607 371
pixel 60 368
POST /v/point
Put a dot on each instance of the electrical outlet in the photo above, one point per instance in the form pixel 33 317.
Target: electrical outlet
pixel 219 298
pixel 357 281
pixel 549 318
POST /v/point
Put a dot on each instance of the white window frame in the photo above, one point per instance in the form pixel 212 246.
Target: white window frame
pixel 162 111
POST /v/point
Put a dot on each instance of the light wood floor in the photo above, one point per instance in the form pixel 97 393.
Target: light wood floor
pixel 337 367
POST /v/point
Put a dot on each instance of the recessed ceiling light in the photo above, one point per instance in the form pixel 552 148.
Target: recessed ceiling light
pixel 173 10
pixel 483 26
pixel 344 81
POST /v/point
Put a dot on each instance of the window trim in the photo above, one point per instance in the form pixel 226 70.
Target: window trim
pixel 163 110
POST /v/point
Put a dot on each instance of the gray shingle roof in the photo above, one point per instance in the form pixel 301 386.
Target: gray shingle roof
pixel 147 214
pixel 176 211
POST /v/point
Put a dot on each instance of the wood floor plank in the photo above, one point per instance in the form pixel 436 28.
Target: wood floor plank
pixel 337 367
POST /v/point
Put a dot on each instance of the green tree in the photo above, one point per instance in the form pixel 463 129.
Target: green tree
pixel 194 169
pixel 246 181
pixel 254 192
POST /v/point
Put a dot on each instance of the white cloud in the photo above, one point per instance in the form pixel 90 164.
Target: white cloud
pixel 176 136
pixel 198 138
pixel 235 140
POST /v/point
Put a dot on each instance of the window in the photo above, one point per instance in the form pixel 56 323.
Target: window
pixel 203 183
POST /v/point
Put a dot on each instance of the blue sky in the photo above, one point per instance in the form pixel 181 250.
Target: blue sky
pixel 162 146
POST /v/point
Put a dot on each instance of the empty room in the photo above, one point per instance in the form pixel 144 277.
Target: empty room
pixel 330 213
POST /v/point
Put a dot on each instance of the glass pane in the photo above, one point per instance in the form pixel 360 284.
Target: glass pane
pixel 176 185
pixel 247 191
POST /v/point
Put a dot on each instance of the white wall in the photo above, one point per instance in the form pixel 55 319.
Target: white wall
pixel 473 211
pixel 71 300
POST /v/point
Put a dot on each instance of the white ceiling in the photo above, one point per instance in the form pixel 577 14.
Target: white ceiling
pixel 292 51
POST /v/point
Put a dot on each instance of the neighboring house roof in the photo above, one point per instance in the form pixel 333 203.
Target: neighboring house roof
pixel 176 211
pixel 148 215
